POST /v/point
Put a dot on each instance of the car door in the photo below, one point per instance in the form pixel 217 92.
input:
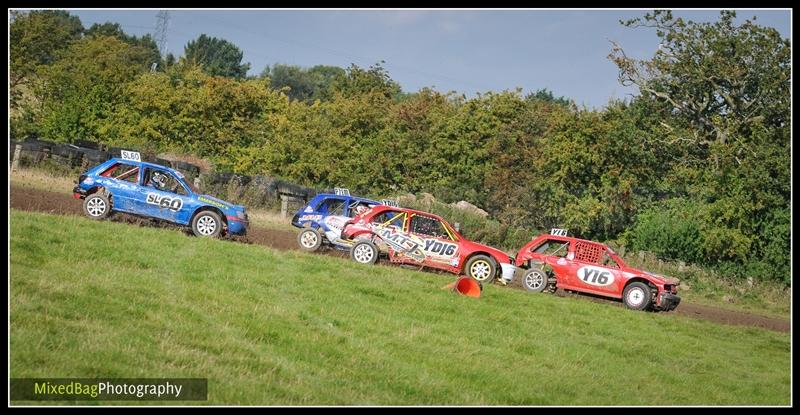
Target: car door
pixel 122 180
pixel 439 246
pixel 332 210
pixel 590 273
pixel 391 229
pixel 163 201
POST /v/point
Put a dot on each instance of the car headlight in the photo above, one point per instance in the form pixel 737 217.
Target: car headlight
pixel 241 215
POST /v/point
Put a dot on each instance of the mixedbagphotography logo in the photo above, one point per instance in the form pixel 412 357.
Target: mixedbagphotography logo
pixel 99 389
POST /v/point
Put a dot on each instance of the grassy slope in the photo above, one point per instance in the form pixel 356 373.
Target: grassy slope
pixel 266 327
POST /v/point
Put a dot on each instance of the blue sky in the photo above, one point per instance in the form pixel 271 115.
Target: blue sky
pixel 467 51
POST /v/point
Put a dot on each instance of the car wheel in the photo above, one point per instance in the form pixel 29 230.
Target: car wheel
pixel 534 280
pixel 637 296
pixel 364 252
pixel 207 224
pixel 309 239
pixel 97 205
pixel 481 268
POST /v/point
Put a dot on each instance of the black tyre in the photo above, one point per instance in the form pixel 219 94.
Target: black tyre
pixel 88 144
pixel 161 162
pixel 309 239
pixel 364 252
pixel 182 165
pixel 481 268
pixel 97 205
pixel 115 151
pixel 95 156
pixel 534 280
pixel 207 224
pixel 637 296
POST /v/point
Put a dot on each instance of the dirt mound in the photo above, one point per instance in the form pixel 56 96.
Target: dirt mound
pixel 31 199
pixel 278 239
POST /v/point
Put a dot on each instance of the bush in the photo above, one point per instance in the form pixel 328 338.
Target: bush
pixel 670 233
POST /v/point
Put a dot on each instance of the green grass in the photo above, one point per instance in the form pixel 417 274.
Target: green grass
pixel 266 327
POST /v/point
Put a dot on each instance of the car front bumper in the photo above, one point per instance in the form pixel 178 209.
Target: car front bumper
pixel 237 226
pixel 668 301
pixel 507 272
pixel 78 192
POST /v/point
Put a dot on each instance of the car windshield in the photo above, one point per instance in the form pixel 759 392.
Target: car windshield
pixel 191 186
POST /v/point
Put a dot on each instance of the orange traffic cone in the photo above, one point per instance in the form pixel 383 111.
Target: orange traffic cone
pixel 466 286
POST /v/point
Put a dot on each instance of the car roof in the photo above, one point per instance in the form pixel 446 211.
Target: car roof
pixel 145 164
pixel 568 238
pixel 365 199
pixel 380 208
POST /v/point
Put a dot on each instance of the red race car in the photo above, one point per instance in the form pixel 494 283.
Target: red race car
pixel 558 261
pixel 409 236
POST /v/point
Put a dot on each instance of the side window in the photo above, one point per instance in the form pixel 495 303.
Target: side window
pixel 428 226
pixel 608 261
pixel 331 207
pixel 588 252
pixel 163 181
pixel 358 207
pixel 552 247
pixel 390 218
pixel 122 171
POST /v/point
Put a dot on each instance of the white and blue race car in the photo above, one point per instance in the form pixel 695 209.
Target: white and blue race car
pixel 323 218
pixel 150 190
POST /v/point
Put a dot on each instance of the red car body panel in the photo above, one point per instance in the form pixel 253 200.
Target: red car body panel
pixel 589 267
pixel 448 251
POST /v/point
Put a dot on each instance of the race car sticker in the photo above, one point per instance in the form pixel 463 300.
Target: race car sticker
pixel 170 203
pixel 308 209
pixel 336 222
pixel 211 202
pixel 310 217
pixel 596 276
pixel 440 248
pixel 561 261
pixel 404 243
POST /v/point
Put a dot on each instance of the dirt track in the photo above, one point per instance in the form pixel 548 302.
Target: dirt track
pixel 25 198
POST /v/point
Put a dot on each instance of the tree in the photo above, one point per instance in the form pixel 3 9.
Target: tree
pixel 217 57
pixel 720 94
pixel 720 79
pixel 78 92
pixel 546 95
pixel 304 84
pixel 37 37
pixel 361 81
pixel 187 110
pixel 114 29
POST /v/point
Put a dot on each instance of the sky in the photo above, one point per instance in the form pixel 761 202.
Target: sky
pixel 467 51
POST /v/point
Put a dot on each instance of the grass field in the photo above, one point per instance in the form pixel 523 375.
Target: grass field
pixel 265 327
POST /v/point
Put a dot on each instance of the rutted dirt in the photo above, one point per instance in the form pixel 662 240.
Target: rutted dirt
pixel 720 315
pixel 30 199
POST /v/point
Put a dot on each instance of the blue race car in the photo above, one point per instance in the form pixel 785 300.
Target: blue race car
pixel 324 217
pixel 150 190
